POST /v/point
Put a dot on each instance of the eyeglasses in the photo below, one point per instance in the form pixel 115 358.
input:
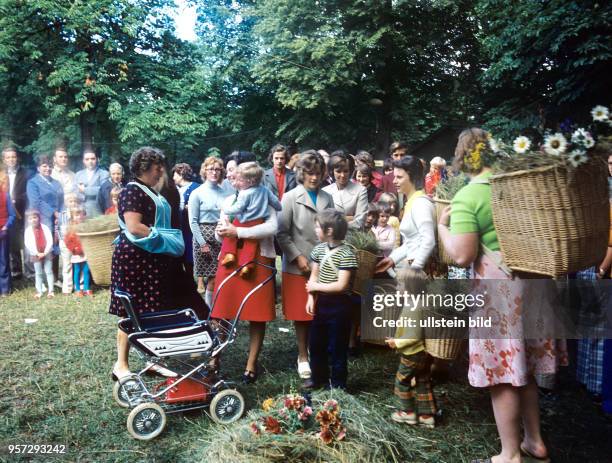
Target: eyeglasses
pixel 214 169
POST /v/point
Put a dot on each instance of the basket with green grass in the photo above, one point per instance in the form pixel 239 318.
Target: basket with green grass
pixel 445 192
pixel 366 249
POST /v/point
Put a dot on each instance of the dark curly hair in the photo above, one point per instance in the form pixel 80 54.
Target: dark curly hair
pixel 143 158
pixel 184 170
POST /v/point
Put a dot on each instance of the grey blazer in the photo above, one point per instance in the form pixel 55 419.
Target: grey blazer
pixel 90 196
pixel 351 201
pixel 296 235
pixel 270 181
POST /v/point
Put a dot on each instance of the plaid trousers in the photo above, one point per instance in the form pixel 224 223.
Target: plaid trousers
pixel 589 361
pixel 419 398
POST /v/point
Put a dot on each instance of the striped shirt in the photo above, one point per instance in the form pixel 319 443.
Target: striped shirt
pixel 342 259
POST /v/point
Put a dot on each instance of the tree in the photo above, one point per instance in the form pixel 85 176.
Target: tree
pixel 112 68
pixel 361 72
pixel 549 60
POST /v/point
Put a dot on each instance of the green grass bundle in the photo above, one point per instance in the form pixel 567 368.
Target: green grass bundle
pixel 99 224
pixel 369 437
pixel 448 189
pixel 363 240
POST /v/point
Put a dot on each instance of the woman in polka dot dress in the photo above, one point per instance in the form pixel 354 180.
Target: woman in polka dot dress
pixel 144 275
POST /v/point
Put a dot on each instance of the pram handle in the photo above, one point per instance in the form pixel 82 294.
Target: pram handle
pixel 249 294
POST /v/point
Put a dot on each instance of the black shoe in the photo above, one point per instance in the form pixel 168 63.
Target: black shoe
pixel 249 377
pixel 354 352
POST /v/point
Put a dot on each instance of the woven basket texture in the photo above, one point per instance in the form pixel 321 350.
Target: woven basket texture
pixel 99 251
pixel 447 349
pixel 551 220
pixel 443 256
pixel 365 271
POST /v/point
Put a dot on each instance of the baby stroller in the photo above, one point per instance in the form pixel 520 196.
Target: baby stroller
pixel 178 341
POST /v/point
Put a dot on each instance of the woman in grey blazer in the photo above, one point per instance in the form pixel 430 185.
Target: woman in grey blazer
pixel 349 198
pixel 297 237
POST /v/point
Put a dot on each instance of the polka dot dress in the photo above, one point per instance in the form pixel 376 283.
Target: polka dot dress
pixel 142 274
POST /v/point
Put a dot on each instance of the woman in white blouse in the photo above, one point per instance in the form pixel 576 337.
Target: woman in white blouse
pixel 349 198
pixel 418 223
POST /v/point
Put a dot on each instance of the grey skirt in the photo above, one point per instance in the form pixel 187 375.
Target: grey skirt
pixel 205 264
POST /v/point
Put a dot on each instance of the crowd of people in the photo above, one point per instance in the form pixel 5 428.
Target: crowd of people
pixel 235 213
pixel 39 212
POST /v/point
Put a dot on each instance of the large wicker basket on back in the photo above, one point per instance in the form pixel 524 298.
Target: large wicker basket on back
pixel 99 251
pixel 551 221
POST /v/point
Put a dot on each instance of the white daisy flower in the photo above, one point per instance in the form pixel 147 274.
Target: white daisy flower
pixel 584 138
pixel 577 157
pixel 521 144
pixel 555 144
pixel 600 113
pixel 494 145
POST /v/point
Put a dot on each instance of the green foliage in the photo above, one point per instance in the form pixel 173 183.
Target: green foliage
pixel 549 60
pixel 364 241
pixel 448 189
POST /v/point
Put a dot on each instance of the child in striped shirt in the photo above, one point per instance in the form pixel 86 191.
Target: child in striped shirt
pixel 329 302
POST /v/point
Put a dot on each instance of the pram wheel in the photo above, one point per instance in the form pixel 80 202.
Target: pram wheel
pixel 146 421
pixel 120 394
pixel 227 406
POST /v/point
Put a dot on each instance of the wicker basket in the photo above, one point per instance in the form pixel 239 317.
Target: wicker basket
pixel 446 349
pixel 365 271
pixel 368 332
pixel 551 221
pixel 99 251
pixel 443 256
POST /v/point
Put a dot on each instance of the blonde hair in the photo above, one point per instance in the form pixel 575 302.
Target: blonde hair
pixel 210 161
pixel 467 141
pixel 437 162
pixel 251 171
pixel 71 195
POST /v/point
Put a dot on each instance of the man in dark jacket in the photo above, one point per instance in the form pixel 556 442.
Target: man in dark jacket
pixel 279 179
pixel 18 178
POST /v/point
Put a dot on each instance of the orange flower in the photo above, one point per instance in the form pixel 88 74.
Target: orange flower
pixel 272 425
pixel 326 435
pixel 326 418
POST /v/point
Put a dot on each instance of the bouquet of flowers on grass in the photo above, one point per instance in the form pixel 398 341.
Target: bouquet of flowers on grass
pixel 293 413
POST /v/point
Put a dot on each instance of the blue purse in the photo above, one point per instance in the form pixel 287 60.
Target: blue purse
pixel 162 239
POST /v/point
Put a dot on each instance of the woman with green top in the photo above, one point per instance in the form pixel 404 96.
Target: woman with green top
pixel 500 358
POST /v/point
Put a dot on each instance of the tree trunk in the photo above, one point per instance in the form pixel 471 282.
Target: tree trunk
pixel 86 133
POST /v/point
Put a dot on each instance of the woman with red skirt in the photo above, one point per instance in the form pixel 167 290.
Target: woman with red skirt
pixel 296 237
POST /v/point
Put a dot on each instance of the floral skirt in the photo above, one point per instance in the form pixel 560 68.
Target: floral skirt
pixel 500 355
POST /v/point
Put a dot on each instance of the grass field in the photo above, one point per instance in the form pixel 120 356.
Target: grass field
pixel 57 390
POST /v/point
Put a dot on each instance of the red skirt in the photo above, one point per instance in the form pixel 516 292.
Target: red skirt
pixel 295 297
pixel 259 307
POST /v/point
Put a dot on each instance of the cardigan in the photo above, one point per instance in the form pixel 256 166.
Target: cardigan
pixel 418 232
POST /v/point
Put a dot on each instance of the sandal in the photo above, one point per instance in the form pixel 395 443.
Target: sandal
pixel 303 369
pixel 526 453
pixel 249 377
